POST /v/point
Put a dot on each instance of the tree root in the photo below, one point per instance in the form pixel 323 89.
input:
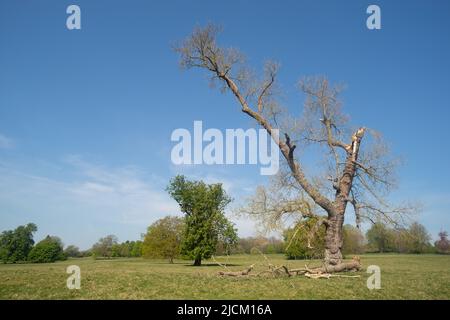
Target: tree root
pixel 354 265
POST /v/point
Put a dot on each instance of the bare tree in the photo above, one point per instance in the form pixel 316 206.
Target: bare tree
pixel 352 174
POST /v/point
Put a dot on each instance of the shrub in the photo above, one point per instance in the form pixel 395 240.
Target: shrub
pixel 48 250
pixel 15 245
pixel 305 241
pixel 163 239
pixel 72 251
pixel 104 247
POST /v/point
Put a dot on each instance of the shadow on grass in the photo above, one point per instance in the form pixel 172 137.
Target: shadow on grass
pixel 212 265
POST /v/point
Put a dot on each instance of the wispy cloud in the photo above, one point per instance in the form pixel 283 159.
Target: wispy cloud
pixel 128 191
pixel 95 201
pixel 5 142
pixel 82 200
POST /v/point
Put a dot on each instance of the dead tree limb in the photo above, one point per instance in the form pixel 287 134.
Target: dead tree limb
pixel 326 271
pixel 236 273
pixel 354 265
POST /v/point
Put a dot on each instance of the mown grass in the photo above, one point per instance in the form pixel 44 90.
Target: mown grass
pixel 402 277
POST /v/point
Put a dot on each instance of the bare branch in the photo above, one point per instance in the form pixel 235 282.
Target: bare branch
pixel 271 70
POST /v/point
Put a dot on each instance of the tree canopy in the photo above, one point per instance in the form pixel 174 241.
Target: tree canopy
pixel 104 246
pixel 15 245
pixel 127 249
pixel 205 221
pixel 304 241
pixel 163 238
pixel 50 249
pixel 414 239
pixel 72 251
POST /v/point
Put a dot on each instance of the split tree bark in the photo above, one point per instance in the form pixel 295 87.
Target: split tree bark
pixel 334 225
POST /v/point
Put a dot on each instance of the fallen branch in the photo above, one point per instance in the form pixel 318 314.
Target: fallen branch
pixel 222 265
pixel 328 275
pixel 312 273
pixel 236 273
pixel 354 265
pixel 317 275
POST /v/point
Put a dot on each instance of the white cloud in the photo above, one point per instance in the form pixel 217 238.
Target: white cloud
pixel 5 142
pixel 95 201
pixel 124 190
pixel 83 201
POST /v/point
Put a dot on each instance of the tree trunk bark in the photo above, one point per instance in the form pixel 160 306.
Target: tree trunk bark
pixel 198 261
pixel 333 240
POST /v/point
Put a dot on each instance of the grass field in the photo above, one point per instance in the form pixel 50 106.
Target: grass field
pixel 402 277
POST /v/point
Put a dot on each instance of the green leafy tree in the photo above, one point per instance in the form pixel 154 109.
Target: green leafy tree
pixel 262 244
pixel 104 247
pixel 116 250
pixel 15 245
pixel 48 250
pixel 86 253
pixel 136 250
pixel 72 252
pixel 305 240
pixel 380 238
pixel 402 240
pixel 414 239
pixel 205 222
pixel 163 239
pixel 227 236
pixel 353 240
pixel 420 239
pixel 126 249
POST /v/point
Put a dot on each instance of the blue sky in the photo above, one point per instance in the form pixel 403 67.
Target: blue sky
pixel 86 115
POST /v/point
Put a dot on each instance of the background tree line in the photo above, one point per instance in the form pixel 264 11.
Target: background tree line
pixel 17 246
pixel 379 238
pixel 109 247
pixel 415 239
pixel 164 239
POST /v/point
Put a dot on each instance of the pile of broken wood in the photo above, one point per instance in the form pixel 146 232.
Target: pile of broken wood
pixel 314 273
